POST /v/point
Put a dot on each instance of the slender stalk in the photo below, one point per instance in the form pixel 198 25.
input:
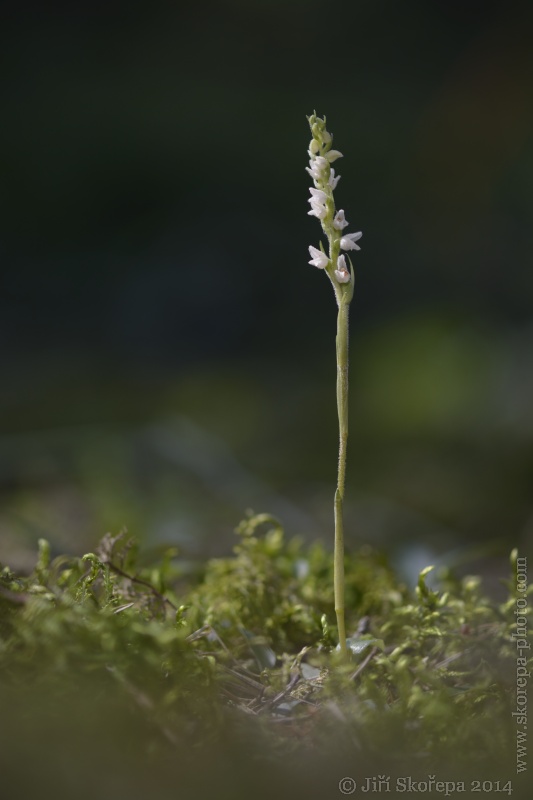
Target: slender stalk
pixel 342 408
pixel 333 224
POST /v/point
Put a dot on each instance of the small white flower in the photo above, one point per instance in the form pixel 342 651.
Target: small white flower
pixel 339 222
pixel 317 209
pixel 316 167
pixel 342 277
pixel 341 273
pixel 318 258
pixel 314 147
pixel 318 203
pixel 333 181
pixel 318 196
pixel 333 155
pixel 348 241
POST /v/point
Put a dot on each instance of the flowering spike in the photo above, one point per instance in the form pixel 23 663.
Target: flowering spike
pixel 322 204
pixel 333 222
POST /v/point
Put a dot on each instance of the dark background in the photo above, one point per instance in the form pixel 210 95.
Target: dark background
pixel 167 354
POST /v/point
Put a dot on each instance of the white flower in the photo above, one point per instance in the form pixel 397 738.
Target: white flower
pixel 341 273
pixel 318 196
pixel 318 203
pixel 339 222
pixel 316 168
pixel 318 258
pixel 333 181
pixel 342 277
pixel 317 209
pixel 333 155
pixel 348 241
pixel 313 147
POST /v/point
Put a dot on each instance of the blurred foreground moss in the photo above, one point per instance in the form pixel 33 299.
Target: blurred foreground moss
pixel 140 672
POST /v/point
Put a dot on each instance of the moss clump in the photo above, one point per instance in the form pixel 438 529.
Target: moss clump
pixel 244 652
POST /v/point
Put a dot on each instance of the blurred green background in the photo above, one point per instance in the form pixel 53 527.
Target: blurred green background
pixel 167 352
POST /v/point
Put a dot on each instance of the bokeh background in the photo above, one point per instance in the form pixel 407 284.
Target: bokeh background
pixel 167 353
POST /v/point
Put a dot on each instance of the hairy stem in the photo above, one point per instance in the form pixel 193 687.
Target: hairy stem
pixel 342 408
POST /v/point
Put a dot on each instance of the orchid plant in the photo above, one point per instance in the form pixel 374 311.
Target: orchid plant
pixel 333 262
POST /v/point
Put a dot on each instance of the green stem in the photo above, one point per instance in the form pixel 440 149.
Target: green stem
pixel 342 408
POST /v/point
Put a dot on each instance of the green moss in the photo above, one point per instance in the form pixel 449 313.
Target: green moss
pixel 250 643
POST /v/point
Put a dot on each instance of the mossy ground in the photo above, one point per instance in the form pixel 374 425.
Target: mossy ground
pixel 114 665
